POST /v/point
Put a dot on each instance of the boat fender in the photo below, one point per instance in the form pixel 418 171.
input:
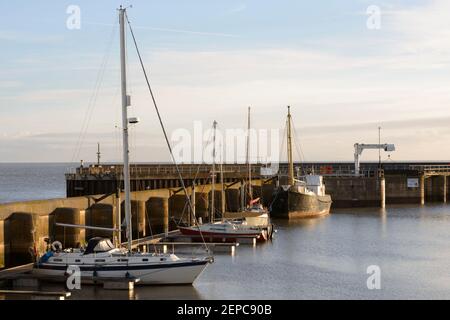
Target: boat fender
pixel 271 231
pixel 56 246
pixel 46 256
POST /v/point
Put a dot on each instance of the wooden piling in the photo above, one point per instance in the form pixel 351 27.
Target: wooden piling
pixel 382 192
pixel 422 189
pixel 444 191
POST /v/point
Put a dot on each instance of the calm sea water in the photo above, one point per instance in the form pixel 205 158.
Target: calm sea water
pixel 325 258
pixel 32 181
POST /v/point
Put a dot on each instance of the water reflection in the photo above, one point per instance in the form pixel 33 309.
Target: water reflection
pixel 304 223
pixel 327 258
pixel 90 292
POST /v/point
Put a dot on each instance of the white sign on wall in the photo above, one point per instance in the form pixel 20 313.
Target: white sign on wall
pixel 413 182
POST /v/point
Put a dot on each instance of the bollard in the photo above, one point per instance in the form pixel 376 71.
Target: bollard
pixel 382 193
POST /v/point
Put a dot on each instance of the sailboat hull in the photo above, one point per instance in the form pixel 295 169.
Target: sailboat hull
pixel 221 236
pixel 292 204
pixel 170 274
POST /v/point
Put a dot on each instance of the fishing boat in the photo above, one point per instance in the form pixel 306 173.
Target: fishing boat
pixel 224 230
pixel 303 196
pixel 102 259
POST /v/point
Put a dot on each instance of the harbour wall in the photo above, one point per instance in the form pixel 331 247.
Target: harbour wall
pixel 24 224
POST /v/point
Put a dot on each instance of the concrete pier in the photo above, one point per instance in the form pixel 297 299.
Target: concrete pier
pixel 232 201
pixel 22 224
pixel 201 205
pixel 158 212
pixel 20 229
pixel 178 208
pixel 69 237
pixel 422 189
pixel 138 219
pixel 99 215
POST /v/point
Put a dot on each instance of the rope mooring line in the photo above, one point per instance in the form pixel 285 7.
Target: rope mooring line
pixel 162 126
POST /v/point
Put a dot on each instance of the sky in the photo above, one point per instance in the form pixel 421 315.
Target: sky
pixel 210 60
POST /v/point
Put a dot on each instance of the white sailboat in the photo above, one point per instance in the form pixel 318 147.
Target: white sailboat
pixel 101 259
pixel 258 214
pixel 254 213
pixel 223 230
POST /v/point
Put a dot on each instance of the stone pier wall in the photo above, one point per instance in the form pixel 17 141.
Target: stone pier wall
pixel 26 224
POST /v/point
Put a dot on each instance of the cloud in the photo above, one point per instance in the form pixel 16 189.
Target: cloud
pixel 318 142
pixel 421 34
pixel 332 98
pixel 238 8
pixel 340 90
pixel 184 31
pixel 12 36
pixel 201 33
pixel 8 84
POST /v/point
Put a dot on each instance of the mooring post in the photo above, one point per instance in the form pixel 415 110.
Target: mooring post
pixel 242 195
pixel 382 192
pixel 193 220
pixel 444 193
pixel 117 219
pixel 422 189
pixel 166 216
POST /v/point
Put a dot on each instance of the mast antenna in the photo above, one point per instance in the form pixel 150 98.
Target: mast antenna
pixel 289 149
pixel 248 158
pixel 98 153
pixel 213 177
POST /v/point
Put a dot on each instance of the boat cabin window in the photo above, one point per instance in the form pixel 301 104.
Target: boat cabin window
pixel 144 259
pixel 218 229
pixel 100 260
pixel 98 244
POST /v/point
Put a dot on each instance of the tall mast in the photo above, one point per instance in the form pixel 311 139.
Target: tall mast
pixel 248 157
pixel 213 178
pixel 125 104
pixel 98 153
pixel 289 149
pixel 222 189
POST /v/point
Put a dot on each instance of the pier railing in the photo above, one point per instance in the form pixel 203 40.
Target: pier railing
pixel 158 170
pixel 432 169
pixel 258 170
